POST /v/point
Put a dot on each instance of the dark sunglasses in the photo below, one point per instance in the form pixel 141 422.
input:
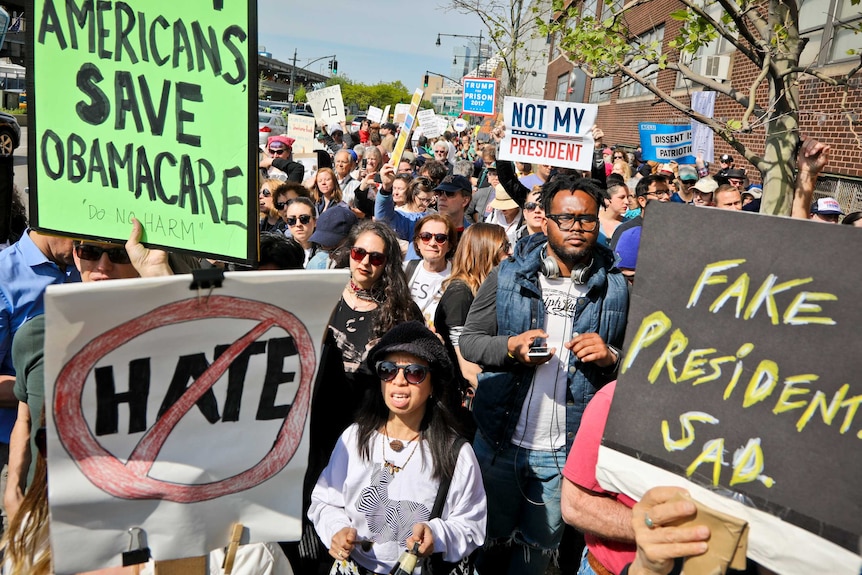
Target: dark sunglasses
pixel 374 258
pixel 278 151
pixel 265 193
pixel 449 193
pixel 530 206
pixel 439 238
pixel 413 372
pixel 93 253
pixel 303 219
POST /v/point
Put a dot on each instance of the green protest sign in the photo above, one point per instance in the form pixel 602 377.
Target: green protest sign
pixel 141 109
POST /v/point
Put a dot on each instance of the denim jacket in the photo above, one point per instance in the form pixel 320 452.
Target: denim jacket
pixel 519 308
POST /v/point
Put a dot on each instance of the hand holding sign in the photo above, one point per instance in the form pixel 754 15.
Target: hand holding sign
pixel 327 105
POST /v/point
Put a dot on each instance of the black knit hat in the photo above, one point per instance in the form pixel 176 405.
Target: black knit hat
pixel 416 339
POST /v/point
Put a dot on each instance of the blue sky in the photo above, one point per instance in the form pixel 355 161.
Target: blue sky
pixel 375 41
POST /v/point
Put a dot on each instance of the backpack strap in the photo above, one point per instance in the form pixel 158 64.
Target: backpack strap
pixel 410 270
pixel 443 491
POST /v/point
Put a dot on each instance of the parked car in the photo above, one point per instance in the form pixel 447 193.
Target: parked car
pixel 10 134
pixel 270 124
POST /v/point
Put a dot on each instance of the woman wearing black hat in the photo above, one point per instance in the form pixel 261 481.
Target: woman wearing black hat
pixel 375 498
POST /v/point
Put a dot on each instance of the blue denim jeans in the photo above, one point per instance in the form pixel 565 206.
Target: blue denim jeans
pixel 524 519
pixel 586 568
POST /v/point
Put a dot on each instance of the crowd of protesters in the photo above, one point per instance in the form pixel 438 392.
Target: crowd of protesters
pixel 522 271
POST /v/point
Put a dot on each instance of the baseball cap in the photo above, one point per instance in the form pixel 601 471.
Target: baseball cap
pixel 827 206
pixel 687 173
pixel 336 127
pixel 666 169
pixel 755 191
pixel 455 184
pixel 333 226
pixel 726 158
pixel 706 185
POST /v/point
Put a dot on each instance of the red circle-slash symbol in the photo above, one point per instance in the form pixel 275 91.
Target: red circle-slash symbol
pixel 131 480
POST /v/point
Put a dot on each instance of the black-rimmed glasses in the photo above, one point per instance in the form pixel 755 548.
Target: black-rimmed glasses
pixel 566 222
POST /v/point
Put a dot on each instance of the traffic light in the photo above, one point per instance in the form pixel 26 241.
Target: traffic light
pixel 425 81
pixel 329 64
pixel 334 67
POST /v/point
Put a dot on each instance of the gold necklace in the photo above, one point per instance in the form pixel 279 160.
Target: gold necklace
pixel 390 466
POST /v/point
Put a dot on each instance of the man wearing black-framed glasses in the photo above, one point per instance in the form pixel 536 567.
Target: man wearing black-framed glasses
pixel 555 345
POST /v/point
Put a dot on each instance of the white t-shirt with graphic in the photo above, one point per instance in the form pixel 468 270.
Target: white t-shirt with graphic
pixel 542 423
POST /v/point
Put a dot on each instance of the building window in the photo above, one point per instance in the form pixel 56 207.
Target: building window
pixel 630 88
pixel 589 8
pixel 697 62
pixel 600 89
pixel 562 88
pixel 828 25
pixel 611 8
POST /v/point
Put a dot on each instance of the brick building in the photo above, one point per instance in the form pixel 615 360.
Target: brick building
pixel 622 106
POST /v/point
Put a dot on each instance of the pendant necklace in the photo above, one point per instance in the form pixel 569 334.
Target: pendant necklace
pixel 396 445
pixel 390 466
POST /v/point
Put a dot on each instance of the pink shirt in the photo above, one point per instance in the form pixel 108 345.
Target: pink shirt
pixel 580 469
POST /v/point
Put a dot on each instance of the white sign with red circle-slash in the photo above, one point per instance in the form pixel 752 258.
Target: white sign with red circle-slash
pixel 178 412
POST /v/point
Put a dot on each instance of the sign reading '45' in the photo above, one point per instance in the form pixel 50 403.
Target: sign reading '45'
pixel 327 105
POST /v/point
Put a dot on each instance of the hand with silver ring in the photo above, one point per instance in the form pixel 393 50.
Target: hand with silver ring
pixel 649 522
pixel 342 543
pixel 659 542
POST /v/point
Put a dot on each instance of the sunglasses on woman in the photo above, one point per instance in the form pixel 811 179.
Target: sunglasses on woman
pixel 276 152
pixel 413 372
pixel 530 206
pixel 93 253
pixel 303 219
pixel 265 193
pixel 374 258
pixel 439 238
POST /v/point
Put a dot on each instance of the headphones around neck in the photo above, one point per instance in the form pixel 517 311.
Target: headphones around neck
pixel 551 269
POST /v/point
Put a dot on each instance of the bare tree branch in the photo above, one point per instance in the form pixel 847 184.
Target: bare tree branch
pixel 752 91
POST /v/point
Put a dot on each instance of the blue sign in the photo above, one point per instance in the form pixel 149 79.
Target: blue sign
pixel 480 94
pixel 666 143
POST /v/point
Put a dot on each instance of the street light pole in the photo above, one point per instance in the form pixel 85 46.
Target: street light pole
pixel 478 57
pixel 292 76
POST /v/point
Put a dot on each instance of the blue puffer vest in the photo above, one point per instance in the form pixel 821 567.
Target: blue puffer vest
pixel 603 310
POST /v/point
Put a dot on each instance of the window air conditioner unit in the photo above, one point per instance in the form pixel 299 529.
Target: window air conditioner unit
pixel 716 67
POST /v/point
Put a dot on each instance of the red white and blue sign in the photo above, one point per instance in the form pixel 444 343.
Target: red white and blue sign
pixel 480 95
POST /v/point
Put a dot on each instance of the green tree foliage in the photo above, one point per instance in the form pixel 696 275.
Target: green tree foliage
pixel 765 32
pixel 364 95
